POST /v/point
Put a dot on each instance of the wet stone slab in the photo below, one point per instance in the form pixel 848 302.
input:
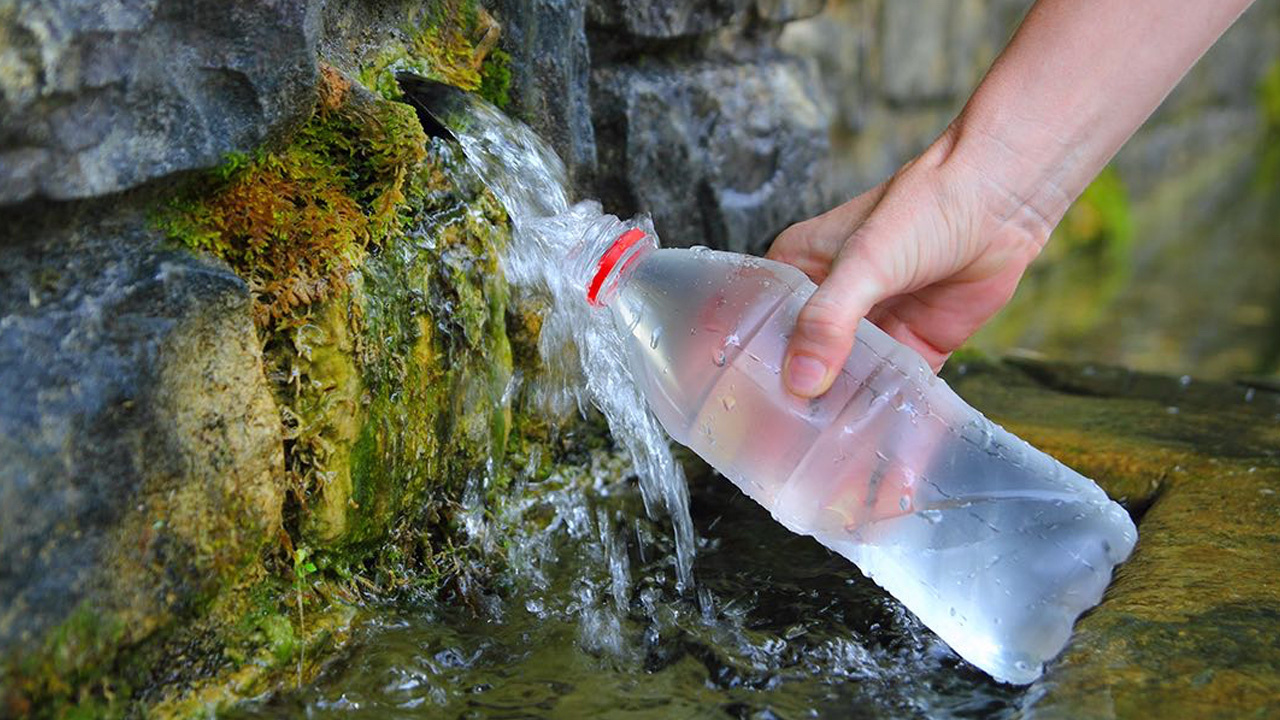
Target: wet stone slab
pixel 587 623
pixel 1189 627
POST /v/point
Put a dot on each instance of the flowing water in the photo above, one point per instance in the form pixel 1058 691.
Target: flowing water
pixel 598 613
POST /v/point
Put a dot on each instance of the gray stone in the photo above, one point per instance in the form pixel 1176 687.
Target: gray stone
pixel 550 70
pixel 788 10
pixel 100 97
pixel 142 456
pixel 726 155
pixel 661 19
pixel 841 41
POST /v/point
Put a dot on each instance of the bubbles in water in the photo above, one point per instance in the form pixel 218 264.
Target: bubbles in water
pixel 583 354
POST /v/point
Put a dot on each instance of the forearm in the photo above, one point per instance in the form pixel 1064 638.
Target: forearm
pixel 1074 83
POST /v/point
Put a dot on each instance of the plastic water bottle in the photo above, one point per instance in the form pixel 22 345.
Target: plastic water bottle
pixel 994 545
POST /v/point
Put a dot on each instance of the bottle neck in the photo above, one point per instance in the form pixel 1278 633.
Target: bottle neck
pixel 613 264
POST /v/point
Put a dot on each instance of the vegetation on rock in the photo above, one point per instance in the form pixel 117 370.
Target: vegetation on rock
pixel 295 222
pixel 372 255
pixel 452 41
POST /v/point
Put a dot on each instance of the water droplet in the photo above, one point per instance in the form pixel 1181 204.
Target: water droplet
pixel 653 339
pixel 1248 395
pixel 904 503
pixel 1185 380
pixel 718 357
pixel 1172 410
pixel 728 402
pixel 953 612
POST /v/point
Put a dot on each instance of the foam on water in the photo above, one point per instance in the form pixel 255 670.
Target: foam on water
pixel 552 246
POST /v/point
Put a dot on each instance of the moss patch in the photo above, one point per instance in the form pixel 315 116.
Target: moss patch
pixel 294 222
pixel 452 41
pixel 1269 106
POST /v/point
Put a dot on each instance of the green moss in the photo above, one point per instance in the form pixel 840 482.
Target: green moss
pixel 373 257
pixel 1268 177
pixel 72 675
pixel 295 221
pixel 495 79
pixel 452 41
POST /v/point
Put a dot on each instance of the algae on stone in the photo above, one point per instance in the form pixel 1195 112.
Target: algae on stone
pixel 452 41
pixel 1188 626
pixel 294 222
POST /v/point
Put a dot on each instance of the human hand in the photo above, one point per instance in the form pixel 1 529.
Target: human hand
pixel 934 252
pixel 928 256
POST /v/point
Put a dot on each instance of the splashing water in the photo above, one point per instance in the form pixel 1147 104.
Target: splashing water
pixel 593 613
pixel 552 248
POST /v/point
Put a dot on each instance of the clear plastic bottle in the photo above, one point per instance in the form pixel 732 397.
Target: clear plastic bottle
pixel 994 545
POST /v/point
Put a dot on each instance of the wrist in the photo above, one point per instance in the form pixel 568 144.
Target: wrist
pixel 1025 175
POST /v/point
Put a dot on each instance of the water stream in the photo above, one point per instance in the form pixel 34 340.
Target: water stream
pixel 597 613
pixel 551 245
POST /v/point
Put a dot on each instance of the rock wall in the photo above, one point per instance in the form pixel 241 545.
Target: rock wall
pixel 253 340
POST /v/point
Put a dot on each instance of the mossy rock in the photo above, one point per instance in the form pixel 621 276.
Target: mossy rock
pixel 1188 626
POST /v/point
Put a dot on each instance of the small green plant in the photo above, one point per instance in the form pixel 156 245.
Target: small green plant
pixel 303 568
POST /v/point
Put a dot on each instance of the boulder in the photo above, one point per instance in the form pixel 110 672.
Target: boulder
pixel 142 448
pixel 100 97
pixel 722 154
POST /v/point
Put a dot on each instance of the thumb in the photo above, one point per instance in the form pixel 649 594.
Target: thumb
pixel 824 332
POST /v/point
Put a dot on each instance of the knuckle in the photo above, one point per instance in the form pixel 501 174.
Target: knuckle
pixel 824 321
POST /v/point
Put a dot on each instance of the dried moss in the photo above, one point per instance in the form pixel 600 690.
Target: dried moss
pixel 295 221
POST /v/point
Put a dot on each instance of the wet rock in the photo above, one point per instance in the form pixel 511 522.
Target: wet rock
pixel 722 154
pixel 671 18
pixel 1188 626
pixel 97 98
pixel 142 462
pixel 551 67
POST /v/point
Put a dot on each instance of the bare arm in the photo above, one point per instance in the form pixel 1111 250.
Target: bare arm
pixel 936 250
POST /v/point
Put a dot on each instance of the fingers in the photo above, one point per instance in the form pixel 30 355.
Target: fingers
pixel 888 317
pixel 825 327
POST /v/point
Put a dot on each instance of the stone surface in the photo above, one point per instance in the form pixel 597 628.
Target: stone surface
pixel 1188 627
pixel 788 10
pixel 551 70
pixel 96 98
pixel 725 155
pixel 927 49
pixel 142 449
pixel 664 19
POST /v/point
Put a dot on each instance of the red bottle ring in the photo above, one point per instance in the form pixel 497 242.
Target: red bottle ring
pixel 610 258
